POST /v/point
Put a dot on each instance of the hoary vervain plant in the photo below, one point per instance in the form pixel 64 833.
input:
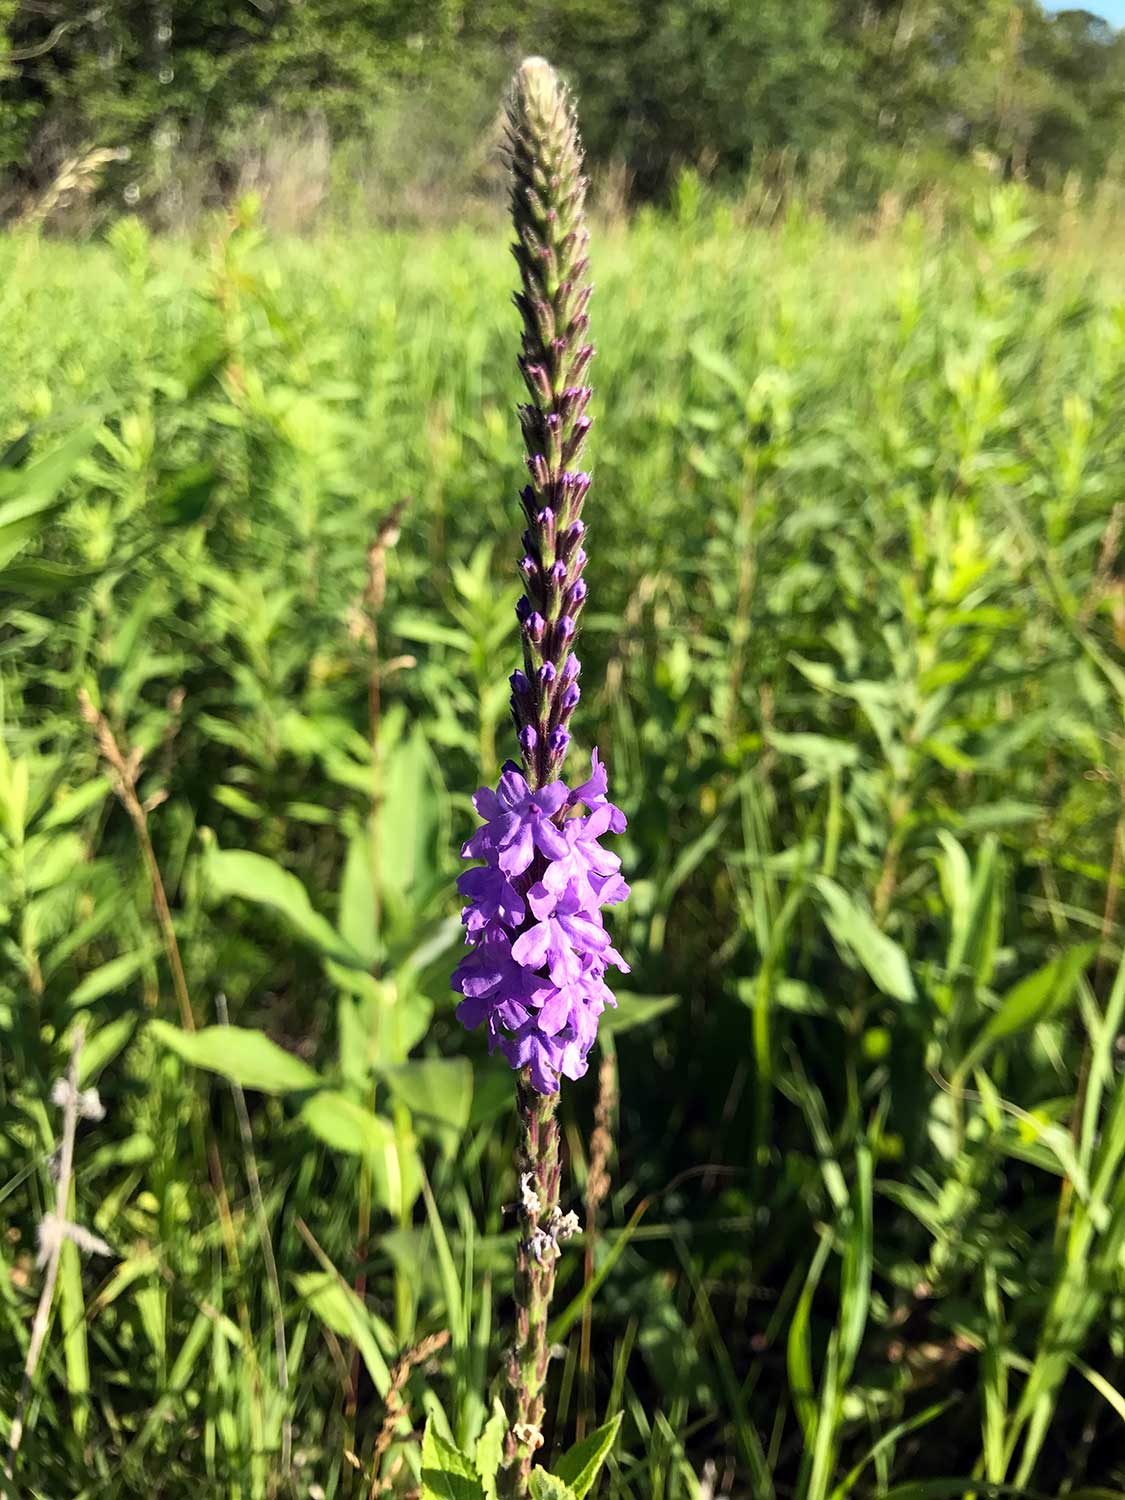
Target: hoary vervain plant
pixel 534 975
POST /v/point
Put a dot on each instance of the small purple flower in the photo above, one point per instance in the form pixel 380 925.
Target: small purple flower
pixel 491 896
pixel 593 794
pixel 519 822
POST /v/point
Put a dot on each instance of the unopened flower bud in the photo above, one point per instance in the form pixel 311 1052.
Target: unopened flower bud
pixel 540 473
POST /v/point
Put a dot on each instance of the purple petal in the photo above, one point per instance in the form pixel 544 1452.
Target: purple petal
pixel 486 802
pixel 542 900
pixel 531 947
pixel 550 840
pixel 515 858
pixel 551 797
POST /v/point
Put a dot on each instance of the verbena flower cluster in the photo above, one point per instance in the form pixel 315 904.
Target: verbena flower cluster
pixel 535 973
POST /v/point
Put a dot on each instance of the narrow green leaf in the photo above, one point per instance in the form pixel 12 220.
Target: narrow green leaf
pixel 854 930
pixel 338 1308
pixel 239 872
pixel 109 978
pixel 580 1466
pixel 1033 999
pixel 72 1311
pixel 490 1449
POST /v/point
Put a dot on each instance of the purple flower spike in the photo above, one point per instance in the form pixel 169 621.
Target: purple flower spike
pixel 535 975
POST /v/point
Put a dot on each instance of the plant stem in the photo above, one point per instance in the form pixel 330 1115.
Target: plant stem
pixel 538 1165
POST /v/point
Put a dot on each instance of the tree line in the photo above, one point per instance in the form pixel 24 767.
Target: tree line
pixel 720 86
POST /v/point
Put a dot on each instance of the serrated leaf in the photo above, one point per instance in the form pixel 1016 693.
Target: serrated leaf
pixel 546 1486
pixel 579 1468
pixel 446 1473
pixel 245 1057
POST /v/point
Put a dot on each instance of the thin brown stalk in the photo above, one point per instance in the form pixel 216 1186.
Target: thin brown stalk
pixel 126 769
pixel 397 1405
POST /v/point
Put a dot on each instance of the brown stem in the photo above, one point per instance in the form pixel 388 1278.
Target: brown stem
pixel 126 769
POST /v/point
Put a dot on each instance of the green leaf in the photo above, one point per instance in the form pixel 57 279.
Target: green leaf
pixel 408 817
pixel 246 1057
pixel 357 898
pixel 546 1486
pixel 338 1308
pixel 239 872
pixel 635 1010
pixel 72 1311
pixel 70 807
pixel 853 929
pixel 346 1126
pixel 437 1091
pixel 104 1046
pixel 817 751
pixel 1032 1000
pixel 28 496
pixel 110 977
pixel 580 1467
pixel 446 1473
pixel 490 1449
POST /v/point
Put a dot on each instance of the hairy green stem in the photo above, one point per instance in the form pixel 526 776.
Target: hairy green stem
pixel 538 1164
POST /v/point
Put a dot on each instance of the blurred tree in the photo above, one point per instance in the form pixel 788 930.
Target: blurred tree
pixel 710 83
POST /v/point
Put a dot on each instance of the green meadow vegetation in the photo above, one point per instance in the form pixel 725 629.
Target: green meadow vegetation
pixel 854 655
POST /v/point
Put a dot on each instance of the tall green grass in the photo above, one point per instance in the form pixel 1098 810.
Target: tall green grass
pixel 857 667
